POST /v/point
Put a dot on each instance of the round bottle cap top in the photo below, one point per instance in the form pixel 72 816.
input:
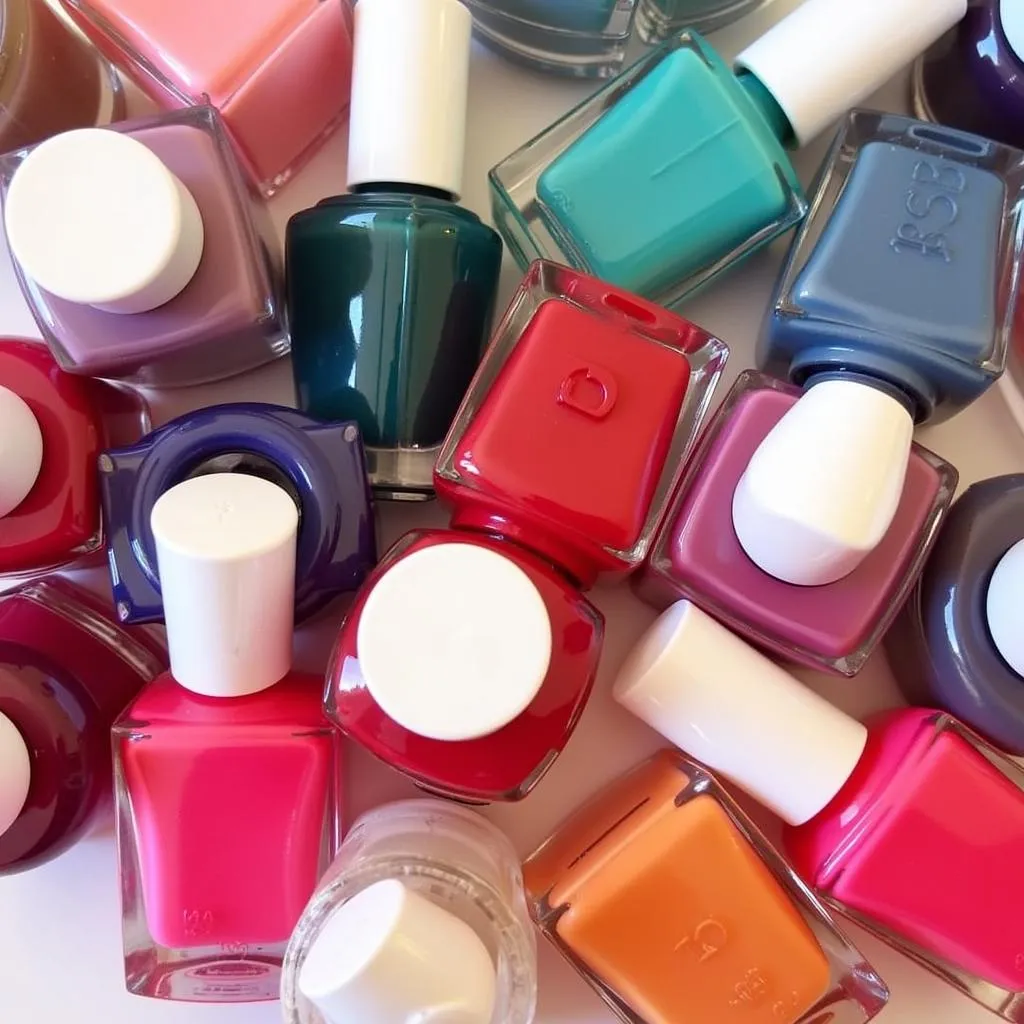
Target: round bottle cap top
pixel 21 450
pixel 391 956
pixel 15 773
pixel 1011 20
pixel 94 217
pixel 1004 607
pixel 454 642
pixel 823 487
pixel 225 546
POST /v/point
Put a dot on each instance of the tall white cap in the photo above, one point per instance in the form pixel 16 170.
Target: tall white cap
pixel 21 450
pixel 718 699
pixel 1004 605
pixel 390 956
pixel 820 492
pixel 95 217
pixel 830 55
pixel 410 81
pixel 454 642
pixel 15 773
pixel 225 547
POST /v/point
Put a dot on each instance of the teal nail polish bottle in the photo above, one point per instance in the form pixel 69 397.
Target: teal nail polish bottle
pixel 391 288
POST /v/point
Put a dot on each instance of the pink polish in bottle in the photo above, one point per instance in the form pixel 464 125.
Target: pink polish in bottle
pixel 227 772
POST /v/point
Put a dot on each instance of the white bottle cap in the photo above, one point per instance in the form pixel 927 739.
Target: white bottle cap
pixel 830 55
pixel 410 82
pixel 21 450
pixel 390 956
pixel 823 487
pixel 1011 20
pixel 454 642
pixel 715 697
pixel 225 547
pixel 94 217
pixel 1004 607
pixel 15 773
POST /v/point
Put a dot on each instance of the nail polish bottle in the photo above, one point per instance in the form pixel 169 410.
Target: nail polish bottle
pixel 656 20
pixel 678 169
pixel 193 298
pixel 391 288
pixel 227 775
pixel 956 644
pixel 277 70
pixel 320 465
pixel 698 554
pixel 911 825
pixel 67 670
pixel 672 904
pixel 53 427
pixel 420 917
pixel 577 38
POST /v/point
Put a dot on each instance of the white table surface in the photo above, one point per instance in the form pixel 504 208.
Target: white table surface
pixel 60 932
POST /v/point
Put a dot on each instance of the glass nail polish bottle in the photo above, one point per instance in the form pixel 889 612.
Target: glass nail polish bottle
pixel 578 38
pixel 956 645
pixel 658 19
pixel 391 288
pixel 67 670
pixel 193 298
pixel 421 916
pixel 277 70
pixel 698 554
pixel 53 427
pixel 673 906
pixel 320 465
pixel 227 775
pixel 678 169
pixel 911 825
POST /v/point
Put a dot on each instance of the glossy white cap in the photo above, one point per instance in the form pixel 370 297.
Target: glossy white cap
pixel 1004 607
pixel 830 55
pixel 820 492
pixel 716 698
pixel 225 546
pixel 15 773
pixel 454 642
pixel 1011 20
pixel 21 450
pixel 410 83
pixel 95 217
pixel 390 956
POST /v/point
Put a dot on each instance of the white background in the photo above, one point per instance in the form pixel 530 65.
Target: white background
pixel 60 942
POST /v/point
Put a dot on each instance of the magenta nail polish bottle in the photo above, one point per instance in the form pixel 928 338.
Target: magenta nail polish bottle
pixel 697 555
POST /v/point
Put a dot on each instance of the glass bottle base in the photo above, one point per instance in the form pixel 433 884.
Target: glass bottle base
pixel 402 474
pixel 656 20
pixel 192 977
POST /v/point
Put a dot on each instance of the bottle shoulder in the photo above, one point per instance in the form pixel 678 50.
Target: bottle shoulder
pixel 389 207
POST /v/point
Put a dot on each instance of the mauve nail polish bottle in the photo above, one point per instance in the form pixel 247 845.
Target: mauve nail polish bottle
pixel 192 298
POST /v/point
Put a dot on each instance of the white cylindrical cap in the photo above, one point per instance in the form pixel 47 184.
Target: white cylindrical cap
pixel 454 642
pixel 15 773
pixel 715 697
pixel 823 487
pixel 830 55
pixel 21 450
pixel 390 956
pixel 225 546
pixel 1011 20
pixel 1004 607
pixel 410 82
pixel 95 217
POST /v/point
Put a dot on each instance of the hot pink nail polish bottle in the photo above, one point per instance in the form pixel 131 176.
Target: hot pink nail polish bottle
pixel 226 771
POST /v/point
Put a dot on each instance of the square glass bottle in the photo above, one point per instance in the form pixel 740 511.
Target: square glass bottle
pixel 672 905
pixel 658 19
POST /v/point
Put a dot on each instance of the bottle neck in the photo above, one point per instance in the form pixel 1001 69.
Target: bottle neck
pixel 768 106
pixel 886 387
pixel 403 188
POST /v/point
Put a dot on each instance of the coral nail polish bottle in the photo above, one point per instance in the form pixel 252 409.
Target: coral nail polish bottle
pixel 957 643
pixel 673 906
pixel 391 288
pixel 830 624
pixel 277 70
pixel 421 917
pixel 227 774
pixel 678 169
pixel 52 429
pixel 192 298
pixel 320 465
pixel 67 670
pixel 911 825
